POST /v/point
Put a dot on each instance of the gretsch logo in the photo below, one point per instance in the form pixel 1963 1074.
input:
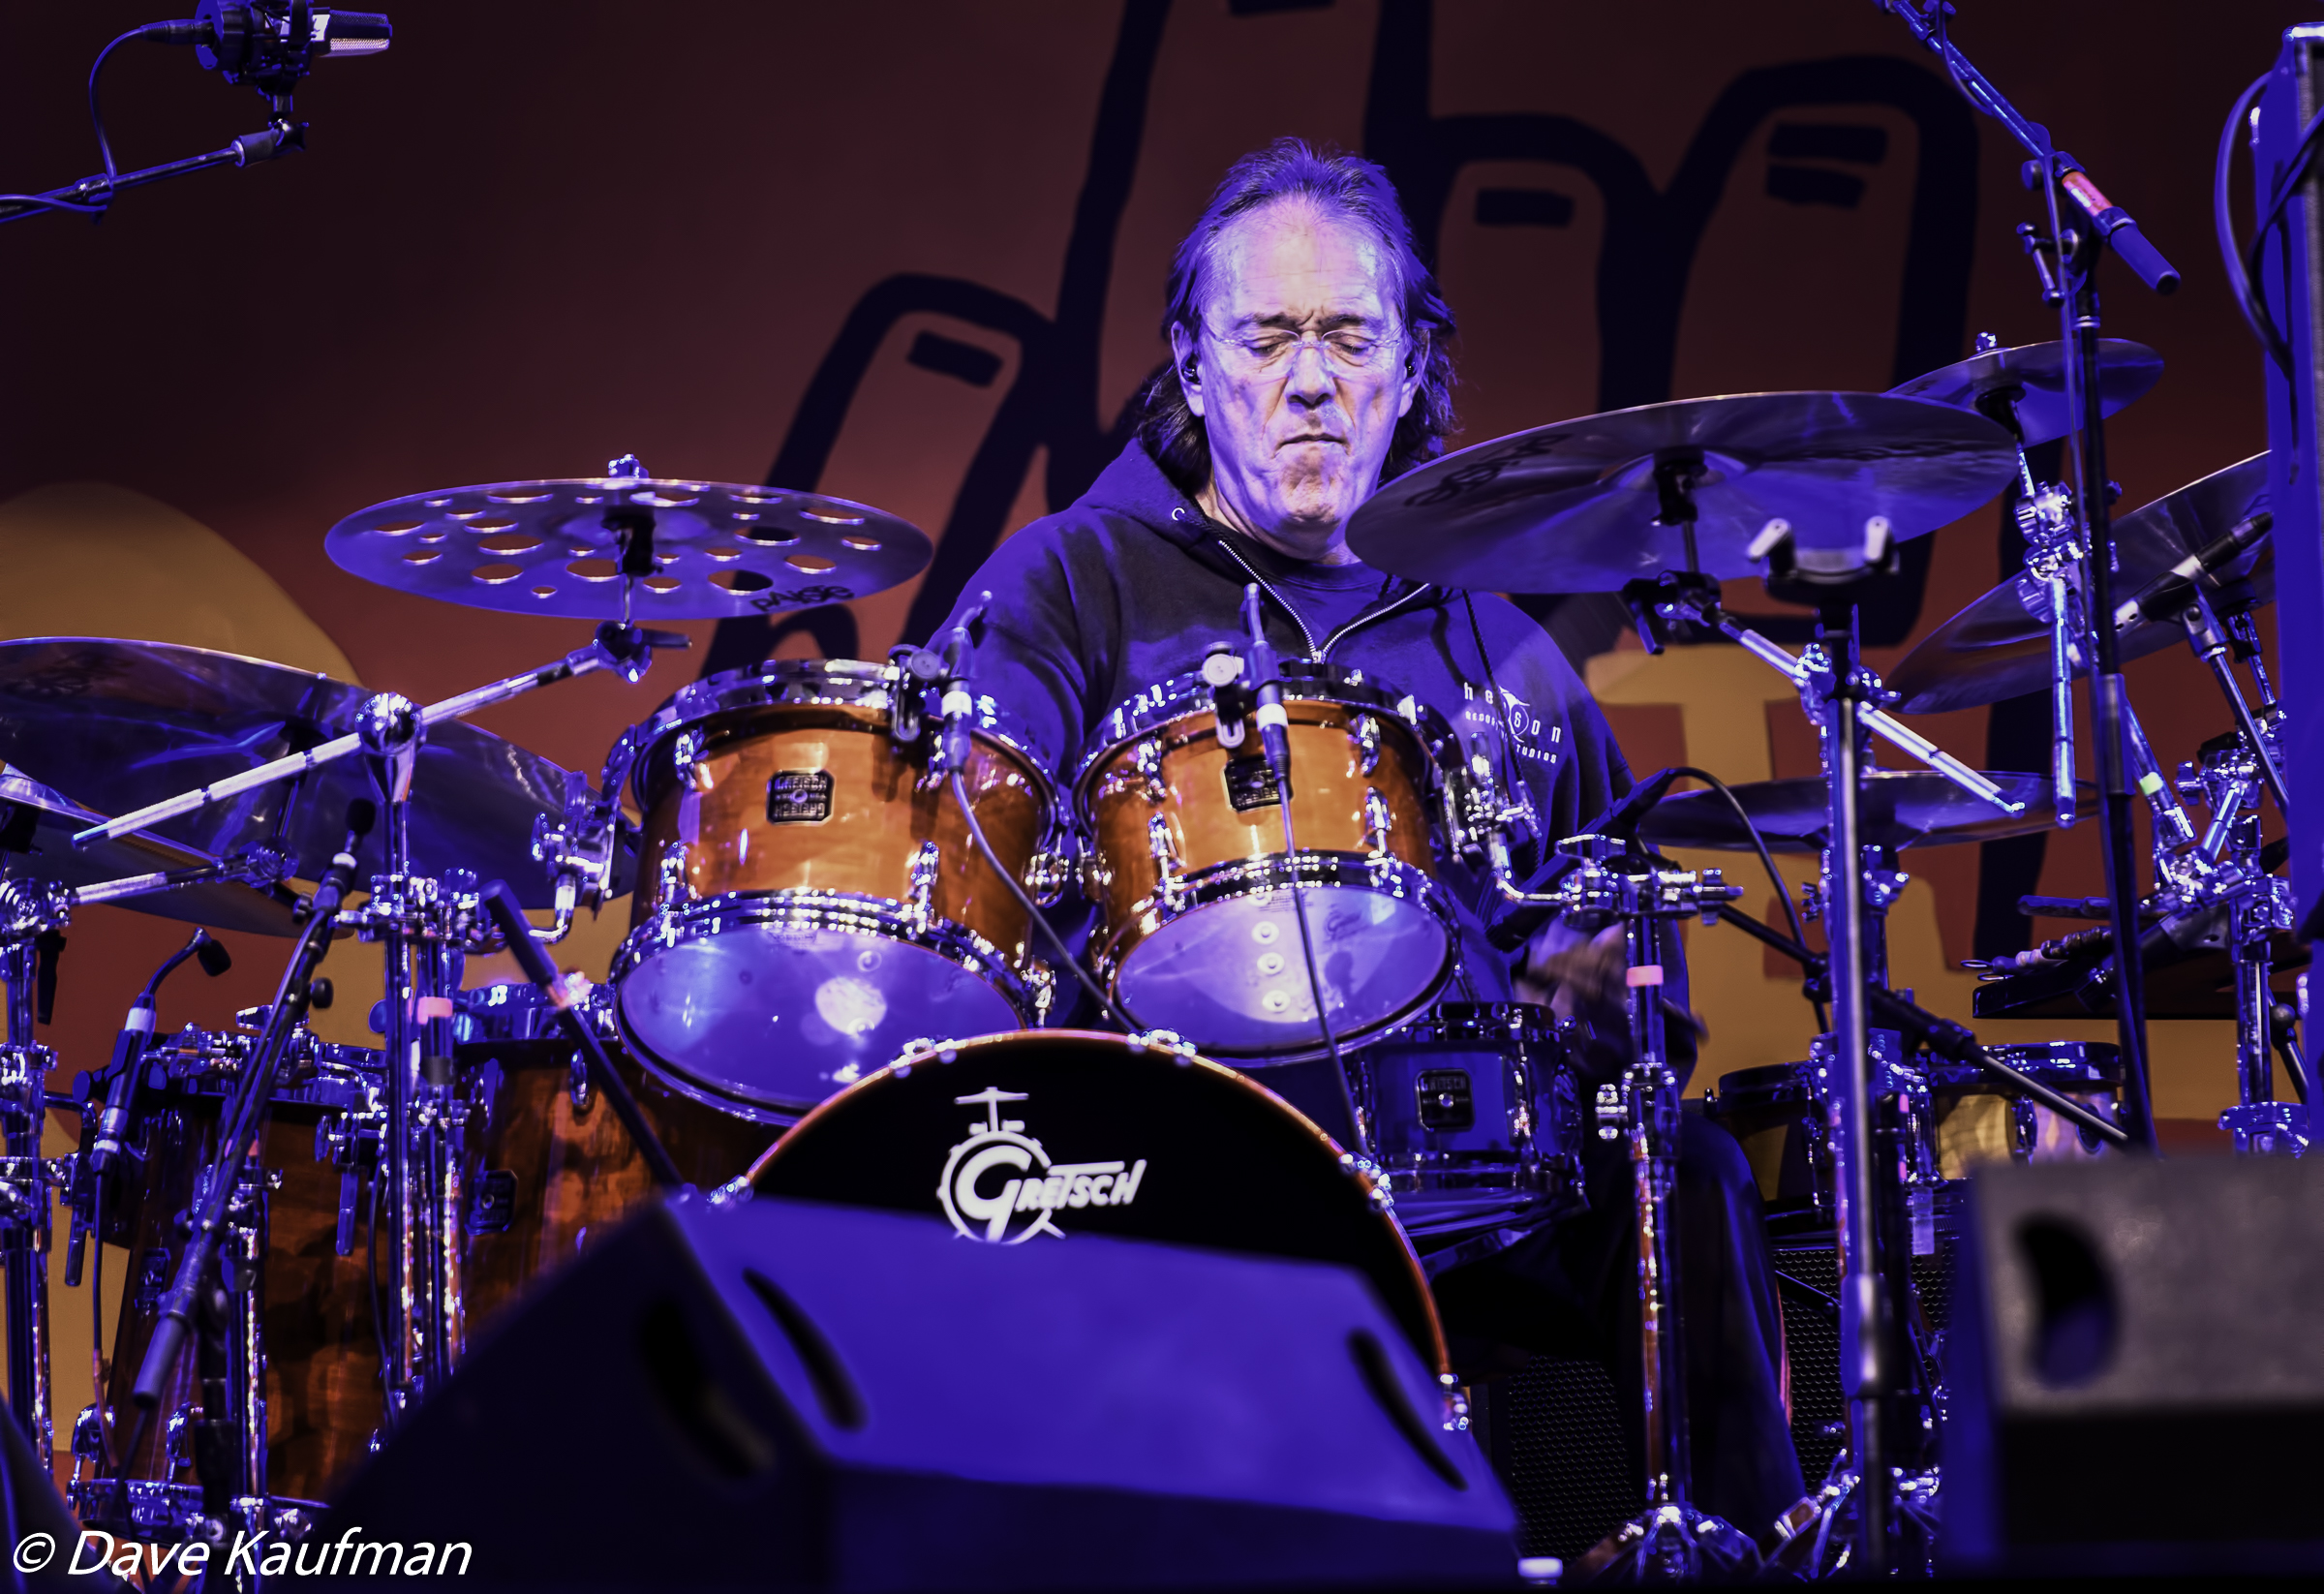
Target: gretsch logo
pixel 1000 1186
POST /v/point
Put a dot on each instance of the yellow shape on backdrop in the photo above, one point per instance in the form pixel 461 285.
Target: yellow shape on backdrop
pixel 90 558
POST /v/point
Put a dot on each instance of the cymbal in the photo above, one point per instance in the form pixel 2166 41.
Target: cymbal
pixel 555 547
pixel 36 842
pixel 122 724
pixel 1901 807
pixel 2127 369
pixel 1587 504
pixel 2000 646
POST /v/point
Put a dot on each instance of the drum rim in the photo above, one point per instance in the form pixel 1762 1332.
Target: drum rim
pixel 1377 1192
pixel 1181 696
pixel 631 754
pixel 1424 889
pixel 807 908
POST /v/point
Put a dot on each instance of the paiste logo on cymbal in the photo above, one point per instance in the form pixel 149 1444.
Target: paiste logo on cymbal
pixel 1000 1174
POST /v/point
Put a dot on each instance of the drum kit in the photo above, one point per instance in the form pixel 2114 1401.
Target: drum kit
pixel 839 981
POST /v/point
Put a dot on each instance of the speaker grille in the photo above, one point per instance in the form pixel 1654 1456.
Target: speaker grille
pixel 1812 1341
pixel 1555 1432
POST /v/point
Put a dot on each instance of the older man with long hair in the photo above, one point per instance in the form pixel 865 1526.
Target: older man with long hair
pixel 1309 362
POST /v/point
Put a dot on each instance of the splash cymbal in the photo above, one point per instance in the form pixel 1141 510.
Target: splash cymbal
pixel 1901 808
pixel 36 842
pixel 2029 382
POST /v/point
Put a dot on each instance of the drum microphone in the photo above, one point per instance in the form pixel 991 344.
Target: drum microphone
pixel 2168 593
pixel 128 1048
pixel 1267 681
pixel 957 707
pixel 331 890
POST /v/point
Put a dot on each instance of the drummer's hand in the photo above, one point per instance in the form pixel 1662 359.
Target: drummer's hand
pixel 1572 974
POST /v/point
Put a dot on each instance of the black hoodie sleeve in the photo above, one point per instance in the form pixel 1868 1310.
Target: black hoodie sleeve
pixel 1031 648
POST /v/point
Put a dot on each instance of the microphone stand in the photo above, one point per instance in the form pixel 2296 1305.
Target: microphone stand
pixel 90 196
pixel 2102 223
pixel 32 912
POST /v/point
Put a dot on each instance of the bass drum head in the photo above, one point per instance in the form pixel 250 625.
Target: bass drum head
pixel 1025 1138
pixel 777 1017
pixel 1231 976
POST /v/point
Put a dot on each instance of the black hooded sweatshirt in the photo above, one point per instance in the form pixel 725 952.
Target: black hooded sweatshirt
pixel 1133 583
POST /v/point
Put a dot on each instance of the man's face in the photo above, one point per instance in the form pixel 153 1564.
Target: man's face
pixel 1303 374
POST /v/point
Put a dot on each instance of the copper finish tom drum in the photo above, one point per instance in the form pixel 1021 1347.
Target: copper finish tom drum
pixel 809 898
pixel 1198 936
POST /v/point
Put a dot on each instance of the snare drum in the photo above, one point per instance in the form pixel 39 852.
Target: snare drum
pixel 1189 868
pixel 1981 1120
pixel 809 898
pixel 1026 1138
pixel 1475 1118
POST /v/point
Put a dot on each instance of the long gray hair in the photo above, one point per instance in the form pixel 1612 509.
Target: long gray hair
pixel 1339 184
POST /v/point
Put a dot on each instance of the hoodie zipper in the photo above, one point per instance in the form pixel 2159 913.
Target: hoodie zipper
pixel 1315 652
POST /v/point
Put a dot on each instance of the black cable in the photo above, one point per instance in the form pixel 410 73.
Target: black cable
pixel 1315 981
pixel 75 207
pixel 379 1313
pixel 1759 843
pixel 976 832
pixel 2222 218
pixel 105 145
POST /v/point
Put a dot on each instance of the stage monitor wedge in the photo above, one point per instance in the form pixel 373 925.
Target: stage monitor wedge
pixel 2132 1370
pixel 786 1395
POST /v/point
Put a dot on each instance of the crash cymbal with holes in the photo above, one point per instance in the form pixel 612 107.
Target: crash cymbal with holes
pixel 1901 808
pixel 1588 504
pixel 122 724
pixel 36 843
pixel 2000 646
pixel 556 547
pixel 2029 382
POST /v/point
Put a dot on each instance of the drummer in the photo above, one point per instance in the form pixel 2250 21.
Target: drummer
pixel 1310 360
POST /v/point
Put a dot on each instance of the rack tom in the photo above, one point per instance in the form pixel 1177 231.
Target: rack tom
pixel 809 898
pixel 1191 872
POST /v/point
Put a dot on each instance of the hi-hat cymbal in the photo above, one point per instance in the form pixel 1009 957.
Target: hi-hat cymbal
pixel 36 842
pixel 2000 646
pixel 122 724
pixel 2036 372
pixel 556 547
pixel 1587 504
pixel 1901 807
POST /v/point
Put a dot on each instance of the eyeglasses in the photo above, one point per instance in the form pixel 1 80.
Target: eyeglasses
pixel 1271 351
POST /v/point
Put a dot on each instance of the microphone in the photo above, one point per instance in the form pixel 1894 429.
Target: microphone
pixel 129 1049
pixel 331 890
pixel 2115 225
pixel 1267 682
pixel 957 707
pixel 254 40
pixel 2168 593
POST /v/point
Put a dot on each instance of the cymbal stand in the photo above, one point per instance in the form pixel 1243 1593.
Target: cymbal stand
pixel 1671 1541
pixel 32 916
pixel 2098 224
pixel 1687 597
pixel 2226 869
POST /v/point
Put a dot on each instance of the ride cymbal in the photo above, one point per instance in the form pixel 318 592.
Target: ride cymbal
pixel 1708 484
pixel 1901 807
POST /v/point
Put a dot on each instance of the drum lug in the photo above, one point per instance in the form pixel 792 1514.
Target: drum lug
pixel 1166 860
pixel 920 886
pixel 1378 821
pixel 674 888
pixel 1046 874
pixel 2024 1130
pixel 1098 875
pixel 177 1436
pixel 1149 766
pixel 1364 732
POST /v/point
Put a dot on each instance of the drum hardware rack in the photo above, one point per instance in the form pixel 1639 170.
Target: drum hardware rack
pixel 425 927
